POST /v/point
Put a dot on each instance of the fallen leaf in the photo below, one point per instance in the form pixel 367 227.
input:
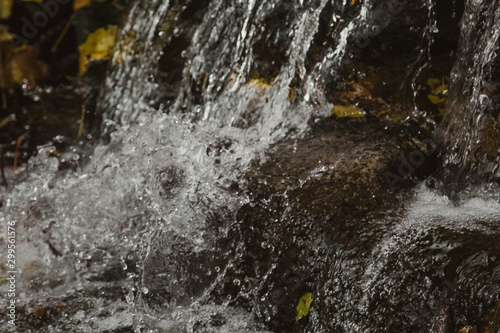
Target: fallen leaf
pixel 350 111
pixel 439 93
pixel 492 320
pixel 80 4
pixel 304 306
pixel 4 34
pixel 98 46
pixel 22 67
pixel 5 9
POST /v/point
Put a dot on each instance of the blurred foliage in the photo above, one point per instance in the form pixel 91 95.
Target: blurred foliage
pixel 48 82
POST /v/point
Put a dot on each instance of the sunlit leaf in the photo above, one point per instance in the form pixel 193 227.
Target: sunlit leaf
pixel 304 305
pixel 5 9
pixel 98 46
pixel 80 4
pixel 353 2
pixel 349 111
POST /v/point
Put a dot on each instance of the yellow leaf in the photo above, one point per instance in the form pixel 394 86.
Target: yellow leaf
pixel 259 83
pixel 5 9
pixel 98 46
pixel 436 99
pixel 304 305
pixel 4 34
pixel 80 3
pixel 353 2
pixel 433 83
pixel 32 0
pixel 390 114
pixel 347 111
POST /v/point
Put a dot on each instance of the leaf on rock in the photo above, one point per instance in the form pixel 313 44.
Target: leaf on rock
pixel 5 9
pixel 349 111
pixel 304 305
pixel 98 46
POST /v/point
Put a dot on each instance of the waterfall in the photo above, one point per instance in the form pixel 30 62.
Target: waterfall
pixel 225 191
pixel 470 130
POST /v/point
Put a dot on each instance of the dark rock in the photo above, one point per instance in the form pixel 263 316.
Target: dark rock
pixel 311 198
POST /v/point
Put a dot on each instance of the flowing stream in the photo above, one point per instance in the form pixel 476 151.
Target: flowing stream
pixel 157 230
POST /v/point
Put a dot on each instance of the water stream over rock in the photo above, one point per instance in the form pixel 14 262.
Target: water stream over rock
pixel 225 190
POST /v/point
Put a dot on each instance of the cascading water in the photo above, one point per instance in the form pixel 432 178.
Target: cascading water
pixel 470 125
pixel 195 217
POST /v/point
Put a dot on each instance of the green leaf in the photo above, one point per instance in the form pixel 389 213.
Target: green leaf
pixel 304 305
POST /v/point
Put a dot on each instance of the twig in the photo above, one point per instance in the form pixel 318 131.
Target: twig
pixel 63 34
pixel 2 84
pixel 17 150
pixel 82 121
pixel 2 169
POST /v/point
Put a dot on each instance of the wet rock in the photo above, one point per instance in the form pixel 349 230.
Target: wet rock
pixel 311 198
pixel 324 220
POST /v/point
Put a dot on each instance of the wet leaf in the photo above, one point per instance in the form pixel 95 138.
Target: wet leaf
pixel 304 305
pixel 98 46
pixel 349 111
pixel 5 9
pixel 353 2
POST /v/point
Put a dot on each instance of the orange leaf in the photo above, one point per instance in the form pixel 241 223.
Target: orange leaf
pixel 80 3
pixel 22 67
